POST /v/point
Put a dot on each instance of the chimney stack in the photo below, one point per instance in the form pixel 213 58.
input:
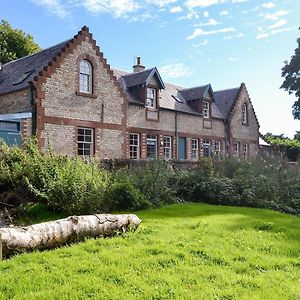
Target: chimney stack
pixel 138 67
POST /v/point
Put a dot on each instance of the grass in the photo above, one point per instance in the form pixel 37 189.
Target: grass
pixel 182 251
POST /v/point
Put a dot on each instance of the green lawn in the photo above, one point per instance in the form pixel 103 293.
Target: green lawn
pixel 183 251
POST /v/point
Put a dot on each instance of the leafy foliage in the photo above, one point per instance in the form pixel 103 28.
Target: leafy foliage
pixel 15 43
pixel 291 73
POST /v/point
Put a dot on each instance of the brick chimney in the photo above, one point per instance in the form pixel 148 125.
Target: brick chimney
pixel 138 67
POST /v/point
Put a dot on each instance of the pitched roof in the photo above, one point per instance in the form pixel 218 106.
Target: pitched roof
pixel 17 74
pixel 194 93
pixel 142 77
pixel 225 99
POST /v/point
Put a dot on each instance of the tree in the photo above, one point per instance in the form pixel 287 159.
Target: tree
pixel 291 73
pixel 297 136
pixel 15 43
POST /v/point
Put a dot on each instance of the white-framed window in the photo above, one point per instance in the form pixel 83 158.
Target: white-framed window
pixel 151 98
pixel 85 80
pixel 195 149
pixel 245 151
pixel 167 147
pixel 134 146
pixel 217 149
pixel 236 149
pixel 244 114
pixel 206 148
pixel 85 141
pixel 205 110
pixel 151 146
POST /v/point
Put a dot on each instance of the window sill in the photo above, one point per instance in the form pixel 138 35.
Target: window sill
pixel 86 95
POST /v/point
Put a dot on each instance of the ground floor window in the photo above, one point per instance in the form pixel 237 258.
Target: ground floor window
pixel 217 147
pixel 134 146
pixel 151 146
pixel 245 151
pixel 236 149
pixel 206 148
pixel 167 147
pixel 85 141
pixel 195 149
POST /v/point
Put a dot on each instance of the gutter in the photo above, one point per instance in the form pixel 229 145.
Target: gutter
pixel 33 106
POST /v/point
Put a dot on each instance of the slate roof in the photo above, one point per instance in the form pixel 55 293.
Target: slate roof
pixel 172 97
pixel 17 74
pixel 194 93
pixel 225 99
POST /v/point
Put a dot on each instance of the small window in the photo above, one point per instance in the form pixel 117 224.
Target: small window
pixel 206 148
pixel 85 141
pixel 206 112
pixel 151 98
pixel 217 148
pixel 85 80
pixel 244 114
pixel 167 147
pixel 134 146
pixel 151 146
pixel 245 151
pixel 195 149
pixel 9 126
pixel 236 149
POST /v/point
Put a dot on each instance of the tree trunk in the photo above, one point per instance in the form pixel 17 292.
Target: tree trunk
pixel 55 233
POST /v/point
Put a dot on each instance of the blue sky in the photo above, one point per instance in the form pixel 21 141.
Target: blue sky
pixel 192 42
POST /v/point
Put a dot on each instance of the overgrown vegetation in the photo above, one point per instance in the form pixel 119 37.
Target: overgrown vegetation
pixel 73 186
pixel 181 251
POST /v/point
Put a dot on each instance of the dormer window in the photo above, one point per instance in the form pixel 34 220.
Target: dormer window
pixel 206 110
pixel 85 80
pixel 244 114
pixel 151 98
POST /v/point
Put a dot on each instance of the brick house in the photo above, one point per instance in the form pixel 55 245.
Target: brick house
pixel 70 98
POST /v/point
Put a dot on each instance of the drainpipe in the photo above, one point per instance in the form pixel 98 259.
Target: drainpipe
pixel 33 109
pixel 176 132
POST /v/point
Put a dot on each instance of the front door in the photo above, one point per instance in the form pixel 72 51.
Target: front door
pixel 182 148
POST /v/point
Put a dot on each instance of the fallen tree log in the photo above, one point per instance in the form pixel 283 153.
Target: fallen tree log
pixel 60 232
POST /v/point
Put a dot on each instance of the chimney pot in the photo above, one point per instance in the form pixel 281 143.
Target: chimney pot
pixel 138 67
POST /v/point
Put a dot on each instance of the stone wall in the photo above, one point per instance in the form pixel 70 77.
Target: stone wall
pixel 16 102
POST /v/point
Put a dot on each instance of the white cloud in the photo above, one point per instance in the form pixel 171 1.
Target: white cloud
pixel 204 43
pixel 277 15
pixel 262 35
pixel 239 1
pixel 206 14
pixel 199 32
pixel 210 22
pixel 224 13
pixel 160 3
pixel 53 6
pixel 232 58
pixel 175 9
pixel 268 5
pixel 201 3
pixel 278 23
pixel 231 37
pixel 275 31
pixel 176 70
pixel 118 8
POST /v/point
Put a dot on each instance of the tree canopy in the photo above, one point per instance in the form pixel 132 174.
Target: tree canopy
pixel 291 73
pixel 15 43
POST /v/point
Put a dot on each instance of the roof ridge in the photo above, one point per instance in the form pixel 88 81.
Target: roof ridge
pixel 195 87
pixel 133 73
pixel 236 88
pixel 30 55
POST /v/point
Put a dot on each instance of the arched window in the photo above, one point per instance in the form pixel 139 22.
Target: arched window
pixel 85 80
pixel 244 114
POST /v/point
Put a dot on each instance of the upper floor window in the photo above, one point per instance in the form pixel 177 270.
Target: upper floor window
pixel 151 98
pixel 85 80
pixel 206 109
pixel 244 114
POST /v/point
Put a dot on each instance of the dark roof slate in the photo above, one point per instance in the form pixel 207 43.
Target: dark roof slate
pixel 138 78
pixel 17 74
pixel 225 99
pixel 194 93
